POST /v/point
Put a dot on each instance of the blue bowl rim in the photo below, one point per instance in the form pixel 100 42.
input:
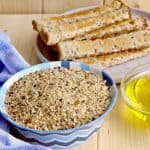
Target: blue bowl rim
pixel 19 126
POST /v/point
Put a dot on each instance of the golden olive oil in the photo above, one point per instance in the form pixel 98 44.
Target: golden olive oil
pixel 138 91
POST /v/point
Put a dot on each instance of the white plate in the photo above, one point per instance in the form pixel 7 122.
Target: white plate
pixel 117 72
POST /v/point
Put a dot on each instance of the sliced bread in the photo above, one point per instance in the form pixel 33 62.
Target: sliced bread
pixel 116 29
pixel 108 60
pixel 38 24
pixel 53 34
pixel 85 48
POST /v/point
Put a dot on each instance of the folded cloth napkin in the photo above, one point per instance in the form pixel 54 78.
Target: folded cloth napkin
pixel 10 63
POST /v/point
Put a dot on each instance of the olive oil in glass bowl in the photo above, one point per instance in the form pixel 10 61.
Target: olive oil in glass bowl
pixel 135 89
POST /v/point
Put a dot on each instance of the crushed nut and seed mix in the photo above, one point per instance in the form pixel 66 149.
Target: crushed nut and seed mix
pixel 57 98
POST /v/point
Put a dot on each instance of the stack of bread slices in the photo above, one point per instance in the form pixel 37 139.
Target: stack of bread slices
pixel 103 36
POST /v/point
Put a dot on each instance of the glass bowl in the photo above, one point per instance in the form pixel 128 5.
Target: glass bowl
pixel 135 89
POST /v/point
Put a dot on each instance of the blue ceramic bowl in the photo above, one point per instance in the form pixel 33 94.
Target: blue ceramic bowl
pixel 60 139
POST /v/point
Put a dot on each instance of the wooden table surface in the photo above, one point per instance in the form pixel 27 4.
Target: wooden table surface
pixel 58 6
pixel 122 130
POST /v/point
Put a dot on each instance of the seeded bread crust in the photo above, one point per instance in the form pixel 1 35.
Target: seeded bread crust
pixel 38 24
pixel 108 60
pixel 77 49
pixel 54 34
pixel 126 26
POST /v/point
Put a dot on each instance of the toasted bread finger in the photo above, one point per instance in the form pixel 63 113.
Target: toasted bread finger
pixel 78 49
pixel 78 16
pixel 116 29
pixel 108 60
pixel 54 34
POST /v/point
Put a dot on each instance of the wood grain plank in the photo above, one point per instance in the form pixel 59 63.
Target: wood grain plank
pixel 59 6
pixel 84 3
pixel 20 6
pixel 91 144
pixel 107 1
pixel 19 28
pixel 52 6
pixel 141 4
pixel 34 59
